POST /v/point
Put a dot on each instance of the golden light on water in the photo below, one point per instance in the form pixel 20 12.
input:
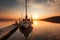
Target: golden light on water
pixel 35 22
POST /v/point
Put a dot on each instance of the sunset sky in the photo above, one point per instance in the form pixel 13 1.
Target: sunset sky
pixel 39 9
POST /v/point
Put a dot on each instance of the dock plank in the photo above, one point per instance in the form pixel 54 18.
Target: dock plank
pixel 7 31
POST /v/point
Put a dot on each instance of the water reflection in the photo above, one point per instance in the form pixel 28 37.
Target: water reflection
pixel 6 23
pixel 35 22
pixel 26 31
pixel 45 31
pixel 41 31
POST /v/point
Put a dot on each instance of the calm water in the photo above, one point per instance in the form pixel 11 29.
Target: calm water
pixel 6 23
pixel 41 30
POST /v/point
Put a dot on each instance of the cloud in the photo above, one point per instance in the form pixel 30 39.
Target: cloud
pixel 47 3
pixel 5 5
pixel 52 1
pixel 40 1
pixel 38 4
pixel 44 1
pixel 8 3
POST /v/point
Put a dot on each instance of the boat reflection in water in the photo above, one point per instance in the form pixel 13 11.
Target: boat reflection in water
pixel 26 31
pixel 25 27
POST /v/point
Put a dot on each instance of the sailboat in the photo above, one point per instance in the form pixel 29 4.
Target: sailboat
pixel 26 22
pixel 25 25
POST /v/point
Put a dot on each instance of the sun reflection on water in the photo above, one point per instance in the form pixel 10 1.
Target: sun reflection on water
pixel 35 22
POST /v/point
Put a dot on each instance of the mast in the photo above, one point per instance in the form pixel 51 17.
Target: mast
pixel 26 9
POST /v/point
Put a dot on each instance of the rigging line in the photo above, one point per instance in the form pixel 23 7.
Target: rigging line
pixel 30 10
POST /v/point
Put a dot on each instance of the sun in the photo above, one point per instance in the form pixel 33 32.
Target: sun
pixel 35 16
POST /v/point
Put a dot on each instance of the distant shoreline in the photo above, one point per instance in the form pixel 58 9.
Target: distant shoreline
pixel 55 19
pixel 4 20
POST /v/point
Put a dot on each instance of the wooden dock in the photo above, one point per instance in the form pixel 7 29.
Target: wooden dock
pixel 5 33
